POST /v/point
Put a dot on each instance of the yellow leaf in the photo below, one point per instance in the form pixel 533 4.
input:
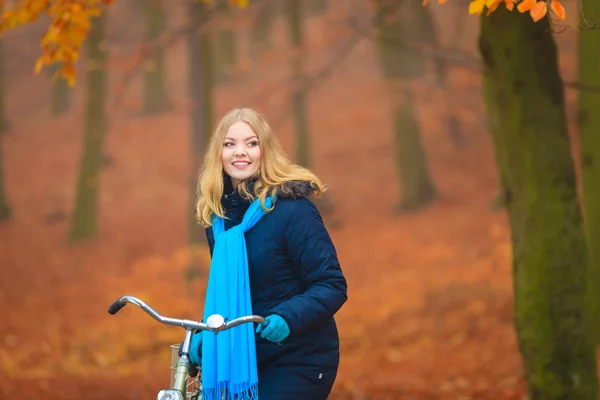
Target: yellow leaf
pixel 239 3
pixel 526 5
pixel 539 10
pixel 39 64
pixel 557 9
pixel 476 7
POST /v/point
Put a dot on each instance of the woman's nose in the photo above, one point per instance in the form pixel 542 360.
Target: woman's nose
pixel 240 151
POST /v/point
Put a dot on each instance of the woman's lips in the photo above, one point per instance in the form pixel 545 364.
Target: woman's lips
pixel 240 164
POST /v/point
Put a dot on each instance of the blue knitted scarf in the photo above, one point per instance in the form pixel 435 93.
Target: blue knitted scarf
pixel 229 357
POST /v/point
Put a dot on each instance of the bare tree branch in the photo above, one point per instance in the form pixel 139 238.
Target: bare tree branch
pixel 313 81
pixel 454 57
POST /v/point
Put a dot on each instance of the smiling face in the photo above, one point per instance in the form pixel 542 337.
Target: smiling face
pixel 241 152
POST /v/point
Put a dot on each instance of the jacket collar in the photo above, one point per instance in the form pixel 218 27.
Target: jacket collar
pixel 232 200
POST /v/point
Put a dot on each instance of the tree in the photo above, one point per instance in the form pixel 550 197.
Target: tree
pixel 4 206
pixel 430 37
pixel 84 223
pixel 260 33
pixel 589 125
pixel 201 112
pixel 400 67
pixel 155 93
pixel 316 7
pixel 526 111
pixel 225 55
pixel 294 18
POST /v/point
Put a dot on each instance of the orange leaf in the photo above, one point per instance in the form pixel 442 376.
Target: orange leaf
pixel 557 9
pixel 538 11
pixel 493 6
pixel 510 4
pixel 526 5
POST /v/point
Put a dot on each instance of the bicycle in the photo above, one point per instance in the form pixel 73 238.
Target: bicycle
pixel 180 383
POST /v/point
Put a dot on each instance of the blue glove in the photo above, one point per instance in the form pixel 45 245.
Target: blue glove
pixel 274 329
pixel 196 348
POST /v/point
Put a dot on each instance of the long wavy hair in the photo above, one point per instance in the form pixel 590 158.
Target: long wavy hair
pixel 274 171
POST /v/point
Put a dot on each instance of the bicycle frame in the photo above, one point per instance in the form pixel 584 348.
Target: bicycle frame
pixel 214 323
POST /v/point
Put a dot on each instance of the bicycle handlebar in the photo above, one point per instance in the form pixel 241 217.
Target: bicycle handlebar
pixel 214 323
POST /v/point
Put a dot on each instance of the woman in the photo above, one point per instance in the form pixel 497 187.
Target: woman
pixel 295 280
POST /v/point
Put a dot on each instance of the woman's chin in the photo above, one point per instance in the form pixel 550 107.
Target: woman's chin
pixel 240 176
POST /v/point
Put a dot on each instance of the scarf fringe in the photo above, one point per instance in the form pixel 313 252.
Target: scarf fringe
pixel 241 391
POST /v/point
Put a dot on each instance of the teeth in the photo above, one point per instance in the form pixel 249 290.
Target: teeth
pixel 241 163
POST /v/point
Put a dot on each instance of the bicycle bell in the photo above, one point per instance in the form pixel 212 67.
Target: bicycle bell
pixel 215 321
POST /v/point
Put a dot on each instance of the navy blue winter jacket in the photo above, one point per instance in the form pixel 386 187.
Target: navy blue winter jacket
pixel 294 272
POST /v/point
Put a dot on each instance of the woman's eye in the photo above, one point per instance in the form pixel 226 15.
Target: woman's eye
pixel 253 143
pixel 228 144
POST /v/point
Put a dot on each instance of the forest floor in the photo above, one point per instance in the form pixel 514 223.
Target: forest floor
pixel 429 314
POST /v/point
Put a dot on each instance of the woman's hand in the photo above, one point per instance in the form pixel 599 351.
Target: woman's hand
pixel 274 329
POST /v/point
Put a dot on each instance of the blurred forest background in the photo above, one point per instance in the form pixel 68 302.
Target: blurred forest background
pixel 97 182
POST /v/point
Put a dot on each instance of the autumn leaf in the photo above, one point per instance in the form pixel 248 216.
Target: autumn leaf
pixel 526 5
pixel 492 6
pixel 539 10
pixel 557 9
pixel 39 64
pixel 510 4
pixel 239 3
pixel 476 7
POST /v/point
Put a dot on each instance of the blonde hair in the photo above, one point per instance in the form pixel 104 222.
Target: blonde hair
pixel 274 171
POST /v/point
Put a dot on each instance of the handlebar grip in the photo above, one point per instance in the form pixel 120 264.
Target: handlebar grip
pixel 115 307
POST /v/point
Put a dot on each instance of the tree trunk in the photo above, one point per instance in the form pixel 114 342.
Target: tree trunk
pixel 400 68
pixel 201 115
pixel 85 215
pixel 589 128
pixel 426 20
pixel 260 34
pixel 316 7
pixel 155 94
pixel 417 187
pixel 226 54
pixel 294 16
pixel 4 206
pixel 60 92
pixel 525 102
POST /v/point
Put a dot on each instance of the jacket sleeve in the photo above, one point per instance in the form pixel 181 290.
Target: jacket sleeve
pixel 313 255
